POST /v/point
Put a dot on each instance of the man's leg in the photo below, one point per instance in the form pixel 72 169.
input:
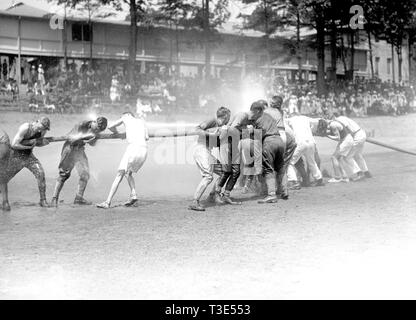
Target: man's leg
pixel 317 157
pixel 290 156
pixel 215 194
pixel 282 170
pixel 359 141
pixel 224 177
pixel 132 185
pixel 350 167
pixel 346 160
pixel 339 173
pixel 84 175
pixel 5 192
pixel 235 173
pixel 270 152
pixel 4 161
pixel 300 167
pixel 34 166
pixel 204 161
pixel 119 177
pixel 233 166
pixel 291 172
pixel 313 167
pixel 247 163
pixel 65 167
pixel 133 166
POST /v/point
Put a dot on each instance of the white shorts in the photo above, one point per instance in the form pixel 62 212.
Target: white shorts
pixel 133 158
pixel 345 146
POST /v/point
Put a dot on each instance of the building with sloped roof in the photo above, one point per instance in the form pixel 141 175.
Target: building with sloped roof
pixel 33 33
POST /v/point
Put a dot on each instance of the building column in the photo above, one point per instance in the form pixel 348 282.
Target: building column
pixel 142 67
pixel 19 49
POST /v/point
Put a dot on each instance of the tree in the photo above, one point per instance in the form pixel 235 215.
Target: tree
pixel 178 14
pixel 293 15
pixel 211 20
pixel 266 19
pixel 311 13
pixel 391 21
pixel 397 17
pixel 94 9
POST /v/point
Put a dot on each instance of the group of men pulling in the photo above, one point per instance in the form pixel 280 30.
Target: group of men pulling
pixel 263 144
pixel 279 150
pixel 18 154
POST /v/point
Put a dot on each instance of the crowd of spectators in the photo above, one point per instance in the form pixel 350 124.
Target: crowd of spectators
pixel 355 99
pixel 158 91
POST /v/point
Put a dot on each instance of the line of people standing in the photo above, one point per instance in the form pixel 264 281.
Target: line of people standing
pixel 280 151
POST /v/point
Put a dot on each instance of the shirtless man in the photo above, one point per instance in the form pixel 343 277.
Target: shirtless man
pixel 29 136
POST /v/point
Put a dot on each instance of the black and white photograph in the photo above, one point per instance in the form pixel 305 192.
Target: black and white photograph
pixel 207 150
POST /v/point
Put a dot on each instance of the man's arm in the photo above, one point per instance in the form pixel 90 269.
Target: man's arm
pixel 41 142
pixel 202 129
pixel 335 135
pixel 146 132
pixel 313 124
pixel 75 135
pixel 17 141
pixel 239 120
pixel 114 125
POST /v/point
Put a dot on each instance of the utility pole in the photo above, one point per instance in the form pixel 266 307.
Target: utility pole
pixel 392 63
pixel 298 51
pixel 64 36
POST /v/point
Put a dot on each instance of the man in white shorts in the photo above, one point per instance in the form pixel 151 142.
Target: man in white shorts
pixel 345 167
pixel 134 157
pixel 355 156
pixel 306 147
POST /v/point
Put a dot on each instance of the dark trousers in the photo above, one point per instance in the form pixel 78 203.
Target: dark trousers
pixel 73 156
pixel 229 176
pixel 20 159
pixel 273 154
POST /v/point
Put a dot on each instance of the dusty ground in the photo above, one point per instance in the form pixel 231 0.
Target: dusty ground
pixel 343 241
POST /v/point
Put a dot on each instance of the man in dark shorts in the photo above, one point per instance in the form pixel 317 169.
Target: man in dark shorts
pixel 73 155
pixel 30 135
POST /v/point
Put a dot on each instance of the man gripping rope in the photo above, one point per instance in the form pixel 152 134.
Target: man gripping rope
pixel 208 138
pixel 231 149
pixel 73 155
pixel 356 154
pixel 349 150
pixel 134 157
pixel 29 136
pixel 306 149
pixel 273 146
pixel 276 111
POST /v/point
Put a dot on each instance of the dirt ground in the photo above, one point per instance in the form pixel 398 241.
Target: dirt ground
pixel 354 240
